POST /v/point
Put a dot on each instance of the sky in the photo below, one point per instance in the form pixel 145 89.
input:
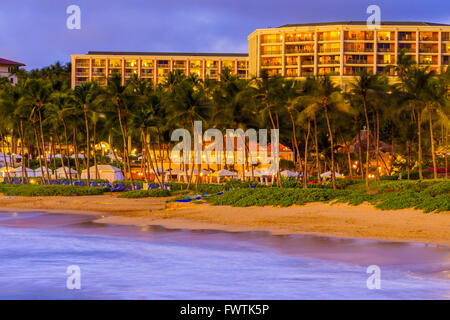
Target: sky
pixel 34 32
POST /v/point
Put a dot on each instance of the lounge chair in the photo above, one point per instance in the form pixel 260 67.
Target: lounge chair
pixel 119 188
pixel 107 185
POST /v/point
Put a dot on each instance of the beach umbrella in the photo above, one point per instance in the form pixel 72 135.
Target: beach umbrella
pixel 60 172
pixel 288 173
pixel 106 172
pixel 80 156
pixel 328 174
pixel 269 171
pixel 224 173
pixel 256 173
pixel 29 172
pixel 13 172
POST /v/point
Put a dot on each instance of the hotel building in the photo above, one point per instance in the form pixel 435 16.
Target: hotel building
pixel 154 66
pixel 338 49
pixel 343 49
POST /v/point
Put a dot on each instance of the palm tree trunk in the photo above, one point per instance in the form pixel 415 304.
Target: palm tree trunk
pixel 161 158
pixel 305 167
pixel 67 153
pixel 294 136
pixel 75 146
pixel 378 144
pixel 53 153
pixel 408 162
pixel 433 153
pixel 446 152
pixel 125 144
pixel 95 156
pixel 62 157
pixel 274 127
pixel 43 143
pixel 192 157
pixel 367 142
pixel 333 176
pixel 361 171
pixel 8 176
pixel 316 142
pixel 22 154
pixel 39 154
pixel 419 122
pixel 88 145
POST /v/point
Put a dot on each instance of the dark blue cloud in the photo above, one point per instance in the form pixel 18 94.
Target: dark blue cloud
pixel 34 31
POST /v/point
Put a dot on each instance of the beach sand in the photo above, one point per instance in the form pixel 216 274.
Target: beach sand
pixel 336 220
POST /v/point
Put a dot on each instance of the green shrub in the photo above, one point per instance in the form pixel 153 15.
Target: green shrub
pixel 427 195
pixel 48 190
pixel 127 183
pixel 146 193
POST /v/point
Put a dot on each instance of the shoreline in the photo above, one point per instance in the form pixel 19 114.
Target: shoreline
pixel 322 219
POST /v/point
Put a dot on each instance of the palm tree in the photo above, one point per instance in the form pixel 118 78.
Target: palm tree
pixel 36 97
pixel 85 96
pixel 188 101
pixel 415 86
pixel 264 92
pixel 366 86
pixel 325 94
pixel 437 101
pixel 62 105
pixel 119 97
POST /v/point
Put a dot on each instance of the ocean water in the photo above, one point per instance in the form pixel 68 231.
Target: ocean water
pixel 118 262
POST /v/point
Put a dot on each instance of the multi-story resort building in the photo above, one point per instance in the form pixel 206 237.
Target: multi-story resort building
pixel 338 49
pixel 343 49
pixel 7 67
pixel 154 66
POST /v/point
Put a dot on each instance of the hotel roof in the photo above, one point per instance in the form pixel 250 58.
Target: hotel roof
pixel 10 62
pixel 360 23
pixel 180 54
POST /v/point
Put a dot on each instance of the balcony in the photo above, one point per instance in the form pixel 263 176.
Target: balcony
pixel 322 49
pixel 299 50
pixel 147 72
pixel 271 52
pixel 358 49
pixel 271 64
pixel 428 50
pixel 359 36
pixel 299 38
pixel 386 50
pixel 82 64
pixel 407 36
pixel 382 61
pixel 428 36
pixel 357 61
pixel 308 62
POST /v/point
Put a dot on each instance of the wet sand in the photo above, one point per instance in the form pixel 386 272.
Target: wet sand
pixel 335 220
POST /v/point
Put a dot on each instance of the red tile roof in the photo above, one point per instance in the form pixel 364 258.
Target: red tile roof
pixel 10 62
